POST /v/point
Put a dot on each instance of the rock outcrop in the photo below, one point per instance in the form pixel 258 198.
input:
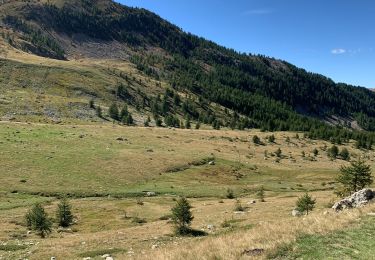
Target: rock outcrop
pixel 355 200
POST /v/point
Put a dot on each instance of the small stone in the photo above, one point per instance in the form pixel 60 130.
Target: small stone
pixel 53 258
pixel 210 227
pixel 211 163
pixel 106 255
pixel 296 213
pixel 150 194
pixel 154 246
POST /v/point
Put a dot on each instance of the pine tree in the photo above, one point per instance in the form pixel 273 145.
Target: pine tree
pixel 182 216
pixel 355 177
pixel 113 112
pixel 64 213
pixel 315 152
pixel 99 112
pixel 147 122
pixel 187 123
pixel 37 219
pixel 92 104
pixel 198 125
pixel 305 203
pixel 260 194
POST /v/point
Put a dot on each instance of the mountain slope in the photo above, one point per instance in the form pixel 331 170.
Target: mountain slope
pixel 261 91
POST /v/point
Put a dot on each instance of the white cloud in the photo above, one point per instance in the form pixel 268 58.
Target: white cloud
pixel 338 51
pixel 257 12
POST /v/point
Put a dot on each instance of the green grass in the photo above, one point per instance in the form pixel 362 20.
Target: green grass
pixel 88 161
pixel 353 243
pixel 12 247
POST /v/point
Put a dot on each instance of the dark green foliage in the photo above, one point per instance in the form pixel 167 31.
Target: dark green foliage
pixel 230 194
pixel 182 216
pixel 172 121
pixel 256 140
pixel 99 112
pixel 64 214
pixel 354 178
pixel 333 152
pixel 92 104
pixel 278 153
pixel 113 112
pixel 344 154
pixel 315 152
pixel 37 219
pixel 188 123
pixel 122 92
pixel 305 203
pixel 198 125
pixel 158 121
pixel 216 125
pixel 126 117
pixel 147 121
pixel 271 139
pixel 43 44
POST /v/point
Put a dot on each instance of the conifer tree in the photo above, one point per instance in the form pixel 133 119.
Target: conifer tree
pixel 354 177
pixel 37 219
pixel 305 203
pixel 64 213
pixel 182 216
pixel 113 112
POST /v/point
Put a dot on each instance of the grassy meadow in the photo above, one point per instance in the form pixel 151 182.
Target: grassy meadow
pixel 106 169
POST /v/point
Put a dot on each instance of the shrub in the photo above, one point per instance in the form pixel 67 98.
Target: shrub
pixel 271 139
pixel 344 154
pixel 278 153
pixel 230 194
pixel 256 139
pixel 238 206
pixel 333 152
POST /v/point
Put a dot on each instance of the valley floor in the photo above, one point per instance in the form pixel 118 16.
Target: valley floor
pixel 107 169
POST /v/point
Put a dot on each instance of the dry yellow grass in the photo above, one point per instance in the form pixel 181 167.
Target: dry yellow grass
pixel 265 235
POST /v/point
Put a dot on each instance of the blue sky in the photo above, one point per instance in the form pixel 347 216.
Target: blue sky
pixel 333 37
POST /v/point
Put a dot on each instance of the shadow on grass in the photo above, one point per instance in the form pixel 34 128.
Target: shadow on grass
pixel 192 233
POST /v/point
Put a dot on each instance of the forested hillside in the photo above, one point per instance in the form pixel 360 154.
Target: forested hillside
pixel 257 91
